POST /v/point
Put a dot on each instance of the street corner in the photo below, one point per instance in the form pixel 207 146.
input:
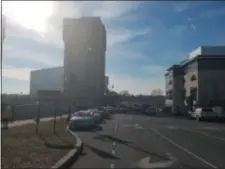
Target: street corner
pixel 72 155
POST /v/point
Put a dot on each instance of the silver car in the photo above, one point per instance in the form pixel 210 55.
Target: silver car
pixel 98 115
pixel 82 120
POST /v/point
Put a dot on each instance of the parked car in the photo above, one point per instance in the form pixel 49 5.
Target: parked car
pixel 97 114
pixel 109 109
pixel 123 110
pixel 82 120
pixel 206 113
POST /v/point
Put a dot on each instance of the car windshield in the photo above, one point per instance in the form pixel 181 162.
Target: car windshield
pixel 83 113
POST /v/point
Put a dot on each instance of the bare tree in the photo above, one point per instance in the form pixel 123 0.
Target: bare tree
pixel 125 93
pixel 157 92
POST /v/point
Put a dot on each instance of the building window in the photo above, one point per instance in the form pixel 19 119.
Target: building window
pixel 170 82
pixel 169 95
pixel 193 78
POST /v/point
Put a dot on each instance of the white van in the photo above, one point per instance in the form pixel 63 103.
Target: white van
pixel 201 113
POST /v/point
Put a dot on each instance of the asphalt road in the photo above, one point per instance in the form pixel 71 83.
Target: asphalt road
pixel 138 141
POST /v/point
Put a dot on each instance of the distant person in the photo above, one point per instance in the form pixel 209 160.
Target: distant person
pixel 6 116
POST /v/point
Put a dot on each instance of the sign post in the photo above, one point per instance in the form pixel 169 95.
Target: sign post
pixel 37 116
pixel 54 124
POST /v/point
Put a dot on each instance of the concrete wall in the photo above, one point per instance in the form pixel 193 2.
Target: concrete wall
pixel 211 80
pixel 46 79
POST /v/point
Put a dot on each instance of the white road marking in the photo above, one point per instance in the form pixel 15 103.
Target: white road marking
pixel 171 157
pixel 138 126
pixel 114 145
pixel 171 127
pixel 183 148
pixel 211 128
pixel 113 153
pixel 112 166
pixel 205 134
pixel 146 163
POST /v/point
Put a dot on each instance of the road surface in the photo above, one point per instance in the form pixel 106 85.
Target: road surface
pixel 138 141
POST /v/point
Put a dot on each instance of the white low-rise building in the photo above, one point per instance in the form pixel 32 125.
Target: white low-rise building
pixel 50 79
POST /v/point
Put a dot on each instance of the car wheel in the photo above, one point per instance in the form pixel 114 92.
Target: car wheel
pixel 200 118
pixel 197 118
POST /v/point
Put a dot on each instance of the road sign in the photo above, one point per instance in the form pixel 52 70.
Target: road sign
pixel 156 162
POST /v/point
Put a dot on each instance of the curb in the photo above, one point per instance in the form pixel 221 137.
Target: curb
pixel 72 155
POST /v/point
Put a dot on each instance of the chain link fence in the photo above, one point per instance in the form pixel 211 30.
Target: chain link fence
pixel 43 109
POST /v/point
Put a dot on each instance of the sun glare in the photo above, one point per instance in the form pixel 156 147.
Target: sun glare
pixel 30 14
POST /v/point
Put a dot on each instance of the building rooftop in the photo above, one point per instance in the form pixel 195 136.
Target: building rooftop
pixel 207 50
pixel 82 19
pixel 203 52
pixel 46 69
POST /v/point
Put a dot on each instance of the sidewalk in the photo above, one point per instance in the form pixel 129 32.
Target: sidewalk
pixel 30 121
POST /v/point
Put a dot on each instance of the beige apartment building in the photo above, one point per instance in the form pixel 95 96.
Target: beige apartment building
pixel 84 58
pixel 200 79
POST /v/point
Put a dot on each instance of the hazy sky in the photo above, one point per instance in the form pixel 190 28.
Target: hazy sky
pixel 143 38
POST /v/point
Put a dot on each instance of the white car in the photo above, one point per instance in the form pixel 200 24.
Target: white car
pixel 82 120
pixel 204 113
pixel 109 109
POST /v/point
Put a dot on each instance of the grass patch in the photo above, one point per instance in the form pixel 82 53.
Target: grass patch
pixel 23 148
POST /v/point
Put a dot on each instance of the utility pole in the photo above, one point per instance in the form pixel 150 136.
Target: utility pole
pixel 54 124
pixel 37 116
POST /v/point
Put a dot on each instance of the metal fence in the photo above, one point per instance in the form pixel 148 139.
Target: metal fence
pixel 44 109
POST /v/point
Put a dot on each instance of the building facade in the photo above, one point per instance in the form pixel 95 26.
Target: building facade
pixel 50 79
pixel 200 80
pixel 175 87
pixel 84 58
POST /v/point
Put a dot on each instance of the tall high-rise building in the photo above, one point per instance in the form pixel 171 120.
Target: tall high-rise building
pixel 84 58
